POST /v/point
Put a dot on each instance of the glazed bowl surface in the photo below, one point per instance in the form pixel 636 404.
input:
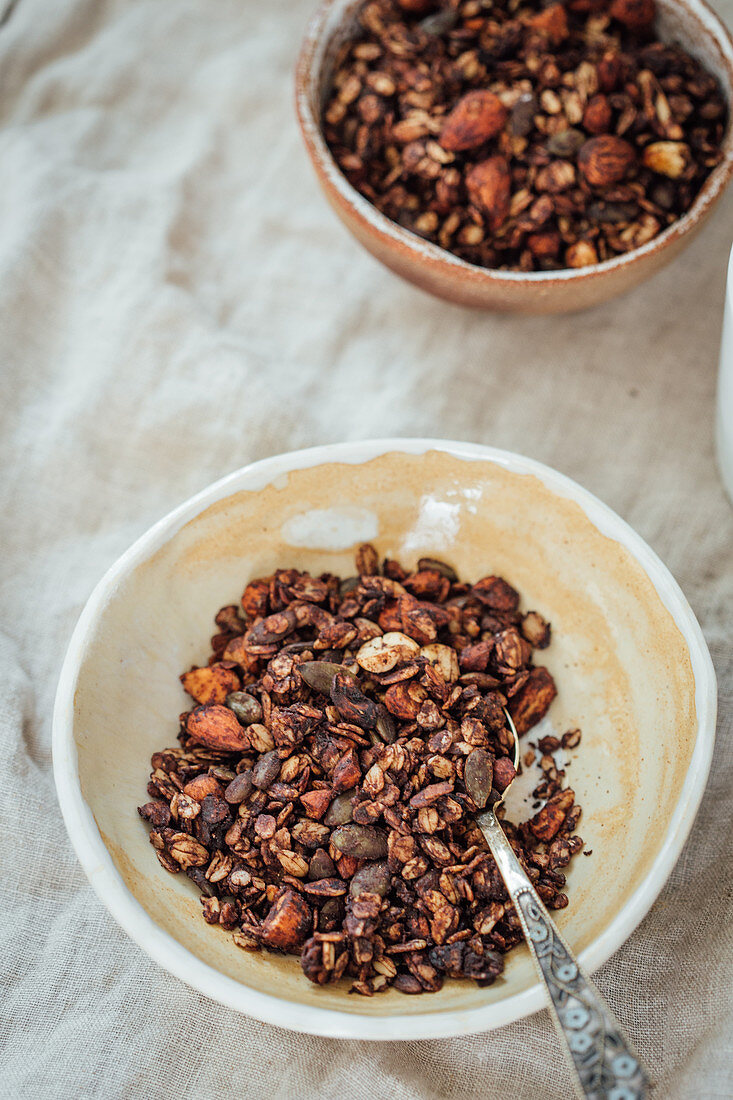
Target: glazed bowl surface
pixel 691 23
pixel 630 662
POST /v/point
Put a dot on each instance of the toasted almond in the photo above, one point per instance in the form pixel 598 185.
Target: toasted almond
pixel 443 658
pixel 217 728
pixel 383 653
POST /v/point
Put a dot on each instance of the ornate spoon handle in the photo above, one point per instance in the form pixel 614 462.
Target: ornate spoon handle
pixel 605 1065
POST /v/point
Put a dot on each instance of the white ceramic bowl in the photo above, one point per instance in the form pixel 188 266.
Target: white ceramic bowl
pixel 628 655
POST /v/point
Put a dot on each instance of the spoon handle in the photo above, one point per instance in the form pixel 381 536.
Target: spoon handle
pixel 605 1065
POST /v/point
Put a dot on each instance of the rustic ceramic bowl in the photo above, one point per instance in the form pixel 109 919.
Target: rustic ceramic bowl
pixel 628 656
pixel 690 22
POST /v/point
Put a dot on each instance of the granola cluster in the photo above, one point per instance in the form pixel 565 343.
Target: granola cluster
pixel 522 136
pixel 319 794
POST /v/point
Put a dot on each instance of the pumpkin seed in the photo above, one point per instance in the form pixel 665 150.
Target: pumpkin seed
pixel 341 810
pixel 360 841
pixel 566 143
pixel 439 23
pixel 266 770
pixel 478 776
pixel 319 675
pixel 239 788
pixel 373 878
pixel 331 915
pixel 385 726
pixel 321 866
pixel 246 708
pixel 351 702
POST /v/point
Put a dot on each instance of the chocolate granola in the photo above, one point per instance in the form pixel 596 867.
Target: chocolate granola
pixel 318 796
pixel 519 135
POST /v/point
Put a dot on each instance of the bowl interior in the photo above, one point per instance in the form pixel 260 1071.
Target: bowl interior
pixel 621 664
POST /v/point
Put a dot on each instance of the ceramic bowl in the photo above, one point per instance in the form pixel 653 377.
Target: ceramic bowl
pixel 628 656
pixel 690 22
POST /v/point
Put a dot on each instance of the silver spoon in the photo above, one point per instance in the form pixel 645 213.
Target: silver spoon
pixel 604 1063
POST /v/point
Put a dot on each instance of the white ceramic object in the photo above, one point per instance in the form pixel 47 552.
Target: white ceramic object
pixel 630 660
pixel 724 418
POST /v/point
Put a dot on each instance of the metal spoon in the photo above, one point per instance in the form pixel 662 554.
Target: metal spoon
pixel 604 1063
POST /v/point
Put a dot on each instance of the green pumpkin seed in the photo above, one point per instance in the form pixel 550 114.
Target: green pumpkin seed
pixel 566 143
pixel 266 770
pixel 351 702
pixel 321 866
pixel 331 915
pixel 385 726
pixel 478 776
pixel 246 708
pixel 341 810
pixel 440 23
pixel 360 841
pixel 239 788
pixel 373 878
pixel 319 675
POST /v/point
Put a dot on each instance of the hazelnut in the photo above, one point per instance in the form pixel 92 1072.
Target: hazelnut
pixel 597 115
pixel 476 118
pixel 667 158
pixel 489 189
pixel 605 160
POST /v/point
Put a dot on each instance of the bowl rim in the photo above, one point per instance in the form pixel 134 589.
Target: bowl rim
pixel 177 959
pixel 441 260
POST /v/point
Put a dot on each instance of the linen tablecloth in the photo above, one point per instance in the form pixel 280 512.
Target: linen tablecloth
pixel 176 300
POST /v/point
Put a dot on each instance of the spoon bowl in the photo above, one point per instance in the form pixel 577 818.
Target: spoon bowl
pixel 603 1061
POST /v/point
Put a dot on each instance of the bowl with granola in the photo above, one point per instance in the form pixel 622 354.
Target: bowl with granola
pixel 520 156
pixel 271 705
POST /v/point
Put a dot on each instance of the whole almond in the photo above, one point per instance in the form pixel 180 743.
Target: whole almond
pixel 217 728
pixel 667 158
pixel 489 189
pixel 201 786
pixel 605 159
pixel 476 118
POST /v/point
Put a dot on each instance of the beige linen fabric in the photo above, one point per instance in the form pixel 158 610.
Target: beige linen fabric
pixel 176 300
